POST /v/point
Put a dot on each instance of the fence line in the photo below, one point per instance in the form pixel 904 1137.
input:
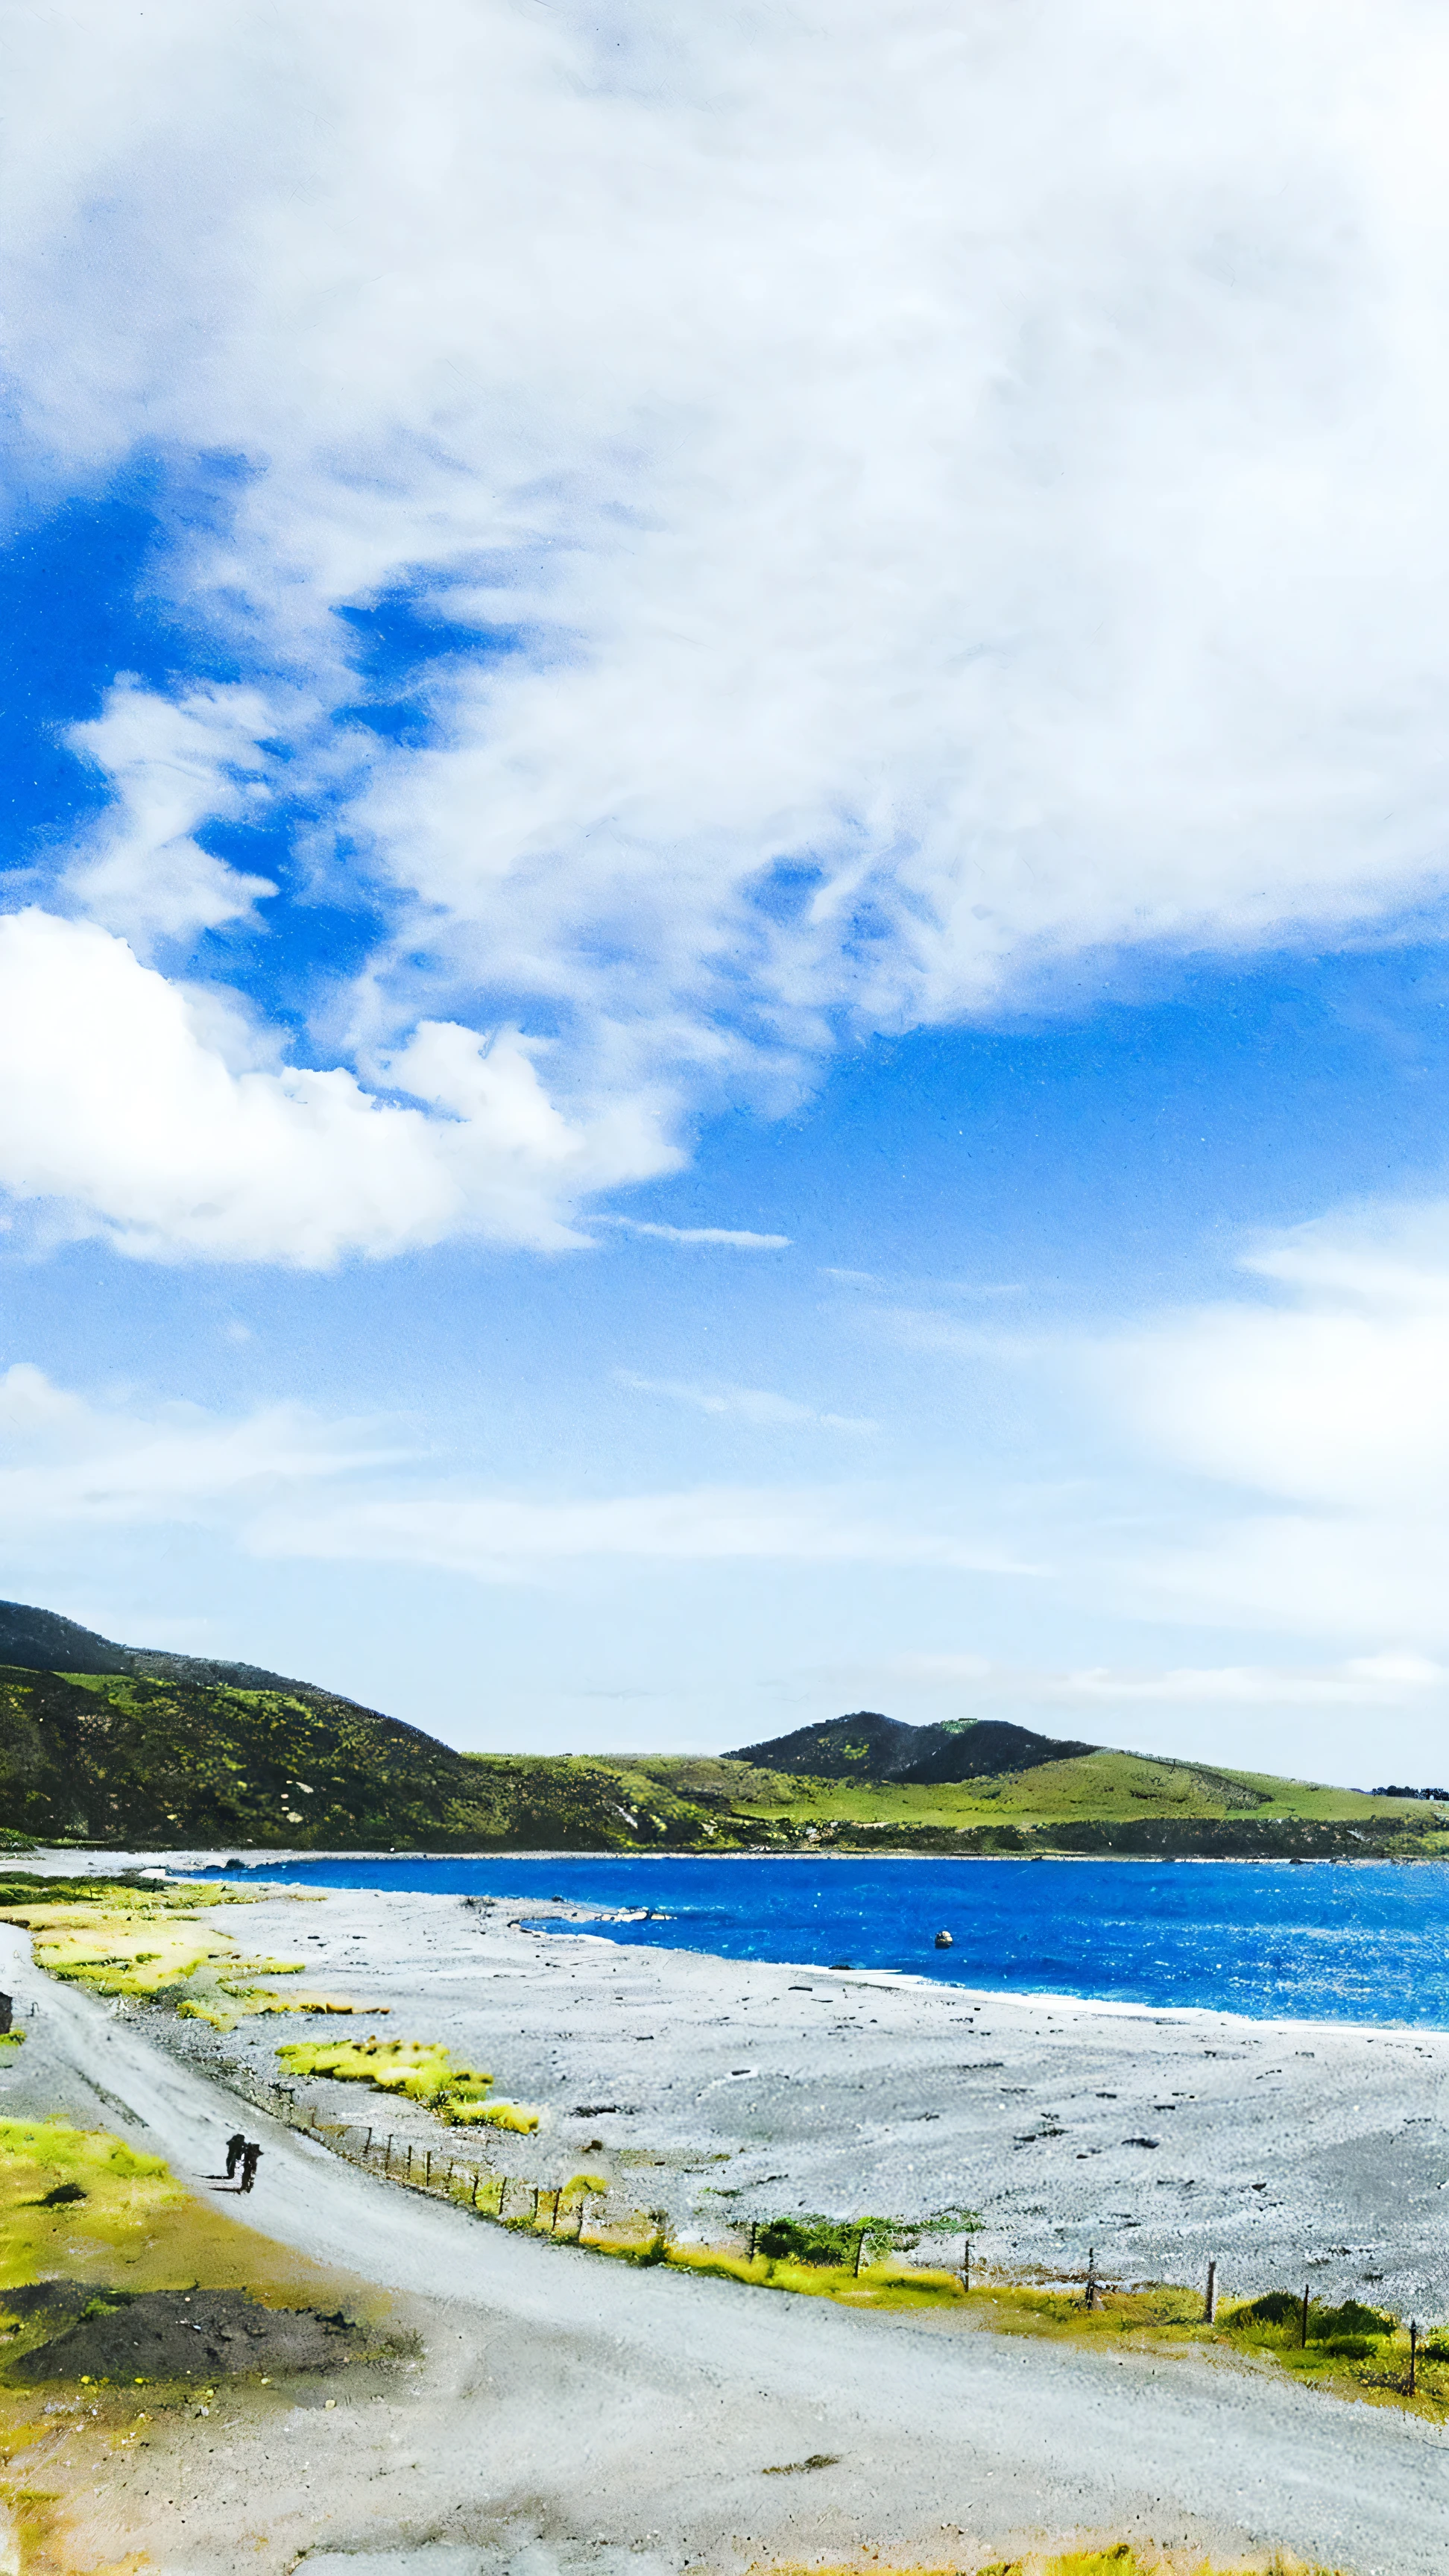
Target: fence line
pixel 462 2182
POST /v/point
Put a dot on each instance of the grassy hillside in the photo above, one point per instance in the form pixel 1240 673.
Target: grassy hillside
pixel 1099 1801
pixel 114 1758
pixel 141 1758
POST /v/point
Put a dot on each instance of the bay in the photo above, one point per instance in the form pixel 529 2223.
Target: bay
pixel 1363 1941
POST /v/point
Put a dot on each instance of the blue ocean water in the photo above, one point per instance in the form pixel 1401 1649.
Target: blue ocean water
pixel 1365 1941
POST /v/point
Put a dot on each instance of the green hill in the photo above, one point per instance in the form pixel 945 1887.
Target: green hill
pixel 123 1745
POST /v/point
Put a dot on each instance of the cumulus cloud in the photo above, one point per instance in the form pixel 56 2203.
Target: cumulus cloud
pixel 910 498
pixel 125 1117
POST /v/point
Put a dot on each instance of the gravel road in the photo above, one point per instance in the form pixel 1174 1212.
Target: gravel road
pixel 584 2408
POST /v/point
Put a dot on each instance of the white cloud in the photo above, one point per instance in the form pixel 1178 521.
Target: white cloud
pixel 1365 1719
pixel 502 1537
pixel 174 764
pixel 1361 1681
pixel 67 1462
pixel 989 466
pixel 1315 1421
pixel 752 1404
pixel 122 1108
pixel 1336 1395
pixel 734 1236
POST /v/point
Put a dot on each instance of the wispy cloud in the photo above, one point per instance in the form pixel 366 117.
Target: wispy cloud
pixel 752 1404
pixel 67 1461
pixel 1361 1681
pixel 737 1238
pixel 1362 1719
pixel 173 763
pixel 505 1537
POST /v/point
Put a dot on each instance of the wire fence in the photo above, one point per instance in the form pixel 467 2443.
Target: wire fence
pixel 560 2209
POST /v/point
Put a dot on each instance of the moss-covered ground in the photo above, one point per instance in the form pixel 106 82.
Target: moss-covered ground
pixel 420 2070
pixel 82 2205
pixel 120 1937
pixel 1160 2317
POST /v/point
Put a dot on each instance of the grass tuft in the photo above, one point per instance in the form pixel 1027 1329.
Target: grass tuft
pixel 422 2070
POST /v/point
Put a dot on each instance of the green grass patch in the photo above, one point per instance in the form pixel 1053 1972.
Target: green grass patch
pixel 418 2069
pixel 80 2204
pixel 1351 2351
pixel 118 1937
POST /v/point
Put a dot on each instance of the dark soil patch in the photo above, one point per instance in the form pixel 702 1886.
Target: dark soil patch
pixel 176 2334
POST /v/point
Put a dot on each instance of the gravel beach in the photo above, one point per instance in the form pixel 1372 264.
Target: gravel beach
pixel 723 2091
pixel 572 2417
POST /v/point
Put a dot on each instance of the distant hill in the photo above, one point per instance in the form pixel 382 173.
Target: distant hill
pixel 40 1641
pixel 116 1745
pixel 868 1746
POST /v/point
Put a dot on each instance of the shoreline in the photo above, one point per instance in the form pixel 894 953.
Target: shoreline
pixel 726 2090
pixel 577 1913
pixel 570 2418
pixel 255 1856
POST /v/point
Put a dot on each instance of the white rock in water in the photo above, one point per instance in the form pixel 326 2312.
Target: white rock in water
pixel 945 1941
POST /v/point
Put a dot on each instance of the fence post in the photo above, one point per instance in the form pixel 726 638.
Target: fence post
pixel 428 2173
pixel 1091 2299
pixel 367 2144
pixel 1210 2303
pixel 966 2266
pixel 475 2187
pixel 1413 2353
pixel 1303 2328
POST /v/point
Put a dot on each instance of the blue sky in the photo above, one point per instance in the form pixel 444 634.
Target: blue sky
pixel 722 978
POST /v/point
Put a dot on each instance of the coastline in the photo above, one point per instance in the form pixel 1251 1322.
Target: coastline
pixel 542 2421
pixel 724 2090
pixel 570 2417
